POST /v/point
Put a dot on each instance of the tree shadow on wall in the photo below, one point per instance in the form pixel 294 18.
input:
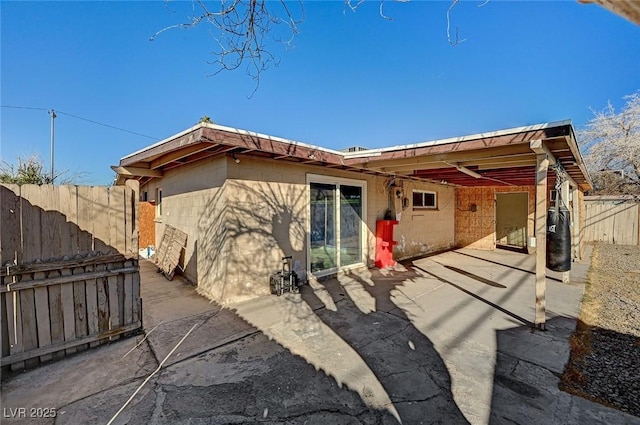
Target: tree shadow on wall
pixel 348 327
pixel 246 229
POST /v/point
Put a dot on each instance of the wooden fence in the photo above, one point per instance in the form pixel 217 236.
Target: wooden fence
pixel 612 219
pixel 69 277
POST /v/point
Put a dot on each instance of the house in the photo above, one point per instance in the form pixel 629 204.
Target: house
pixel 246 200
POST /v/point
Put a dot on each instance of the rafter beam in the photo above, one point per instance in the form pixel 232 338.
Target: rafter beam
pixel 136 171
pixel 466 156
pixel 540 148
pixel 180 154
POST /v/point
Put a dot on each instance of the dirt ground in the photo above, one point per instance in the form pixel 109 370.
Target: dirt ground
pixel 605 349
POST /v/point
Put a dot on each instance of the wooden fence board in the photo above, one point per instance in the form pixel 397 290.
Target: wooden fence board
pixel 101 228
pixel 32 246
pixel 50 221
pixel 10 239
pixel 68 314
pixel 29 324
pixel 103 301
pixel 80 308
pixel 4 329
pixel 42 316
pixel 14 326
pixel 137 303
pixel 131 189
pixel 117 216
pixel 55 316
pixel 128 231
pixel 128 295
pixel 91 294
pixel 114 305
pixel 85 224
pixel 69 209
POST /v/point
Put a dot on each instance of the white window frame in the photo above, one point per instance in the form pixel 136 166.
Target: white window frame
pixel 425 207
pixel 338 181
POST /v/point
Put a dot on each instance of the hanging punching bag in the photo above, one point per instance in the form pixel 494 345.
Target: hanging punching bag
pixel 559 239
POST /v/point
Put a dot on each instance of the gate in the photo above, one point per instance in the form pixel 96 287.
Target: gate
pixel 69 277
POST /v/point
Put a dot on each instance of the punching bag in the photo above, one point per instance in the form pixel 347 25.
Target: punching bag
pixel 559 239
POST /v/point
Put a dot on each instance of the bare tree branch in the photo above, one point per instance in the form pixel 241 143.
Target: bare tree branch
pixel 244 27
pixel 248 29
pixel 457 40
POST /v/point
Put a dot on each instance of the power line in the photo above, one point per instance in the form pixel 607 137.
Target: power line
pixel 83 119
pixel 107 125
pixel 24 107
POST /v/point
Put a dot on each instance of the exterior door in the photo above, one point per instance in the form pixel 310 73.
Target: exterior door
pixel 511 219
pixel 336 233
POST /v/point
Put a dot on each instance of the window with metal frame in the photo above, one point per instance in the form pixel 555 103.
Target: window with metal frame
pixel 423 199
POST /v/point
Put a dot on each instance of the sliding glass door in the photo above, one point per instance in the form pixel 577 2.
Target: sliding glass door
pixel 335 224
pixel 324 254
pixel 350 225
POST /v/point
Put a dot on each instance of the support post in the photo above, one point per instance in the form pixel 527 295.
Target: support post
pixel 575 221
pixel 542 165
pixel 564 193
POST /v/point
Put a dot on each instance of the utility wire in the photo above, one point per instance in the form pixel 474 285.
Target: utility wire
pixel 84 119
pixel 107 125
pixel 24 107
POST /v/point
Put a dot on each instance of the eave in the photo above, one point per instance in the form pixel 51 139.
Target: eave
pixel 498 158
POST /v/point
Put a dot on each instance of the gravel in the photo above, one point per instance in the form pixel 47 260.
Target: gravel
pixel 604 365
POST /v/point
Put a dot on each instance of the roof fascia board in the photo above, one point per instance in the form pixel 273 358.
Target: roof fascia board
pixel 575 151
pixel 136 171
pixel 161 142
pixel 377 152
pixel 271 138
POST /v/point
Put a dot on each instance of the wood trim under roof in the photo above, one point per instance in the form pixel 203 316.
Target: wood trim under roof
pixel 498 158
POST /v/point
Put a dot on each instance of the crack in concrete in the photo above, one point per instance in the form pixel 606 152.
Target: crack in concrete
pixel 510 420
pixel 518 361
pixel 318 411
pixel 159 403
pixel 419 400
pixel 199 353
pixel 118 385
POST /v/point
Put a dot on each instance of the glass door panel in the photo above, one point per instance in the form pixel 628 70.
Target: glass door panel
pixel 324 255
pixel 350 225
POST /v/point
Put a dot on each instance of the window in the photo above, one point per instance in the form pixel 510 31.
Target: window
pixel 159 202
pixel 145 196
pixel 424 200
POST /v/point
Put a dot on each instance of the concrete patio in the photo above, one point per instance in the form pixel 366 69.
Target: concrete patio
pixel 443 339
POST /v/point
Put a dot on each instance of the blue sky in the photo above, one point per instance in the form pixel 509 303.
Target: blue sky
pixel 351 78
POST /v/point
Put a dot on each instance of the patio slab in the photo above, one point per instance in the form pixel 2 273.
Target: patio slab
pixel 442 339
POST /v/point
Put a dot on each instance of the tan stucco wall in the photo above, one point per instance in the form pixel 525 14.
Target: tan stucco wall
pixel 421 231
pixel 193 201
pixel 478 229
pixel 242 218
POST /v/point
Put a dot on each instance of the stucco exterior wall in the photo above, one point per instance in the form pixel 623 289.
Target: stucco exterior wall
pixel 242 218
pixel 421 231
pixel 478 229
pixel 193 201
